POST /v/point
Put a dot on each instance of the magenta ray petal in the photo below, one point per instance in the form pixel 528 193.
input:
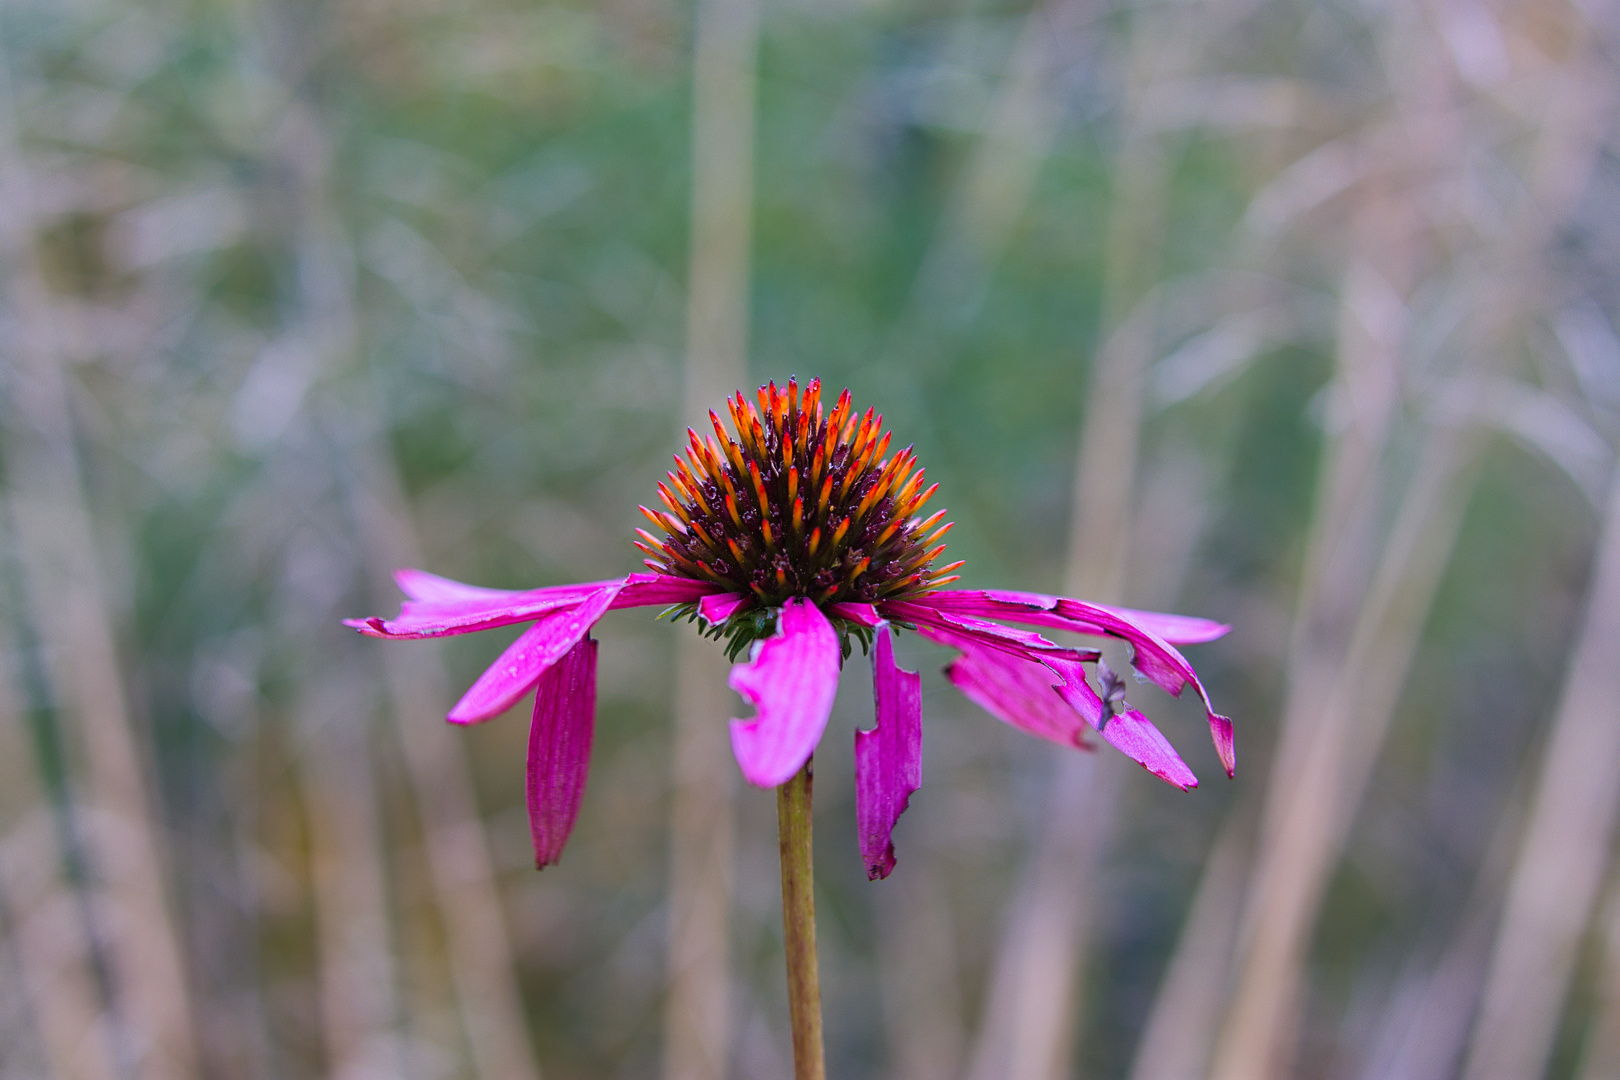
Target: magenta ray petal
pixel 527 658
pixel 791 682
pixel 440 618
pixel 861 614
pixel 1017 692
pixel 888 759
pixel 421 585
pixel 1170 627
pixel 1130 732
pixel 718 607
pixel 965 632
pixel 560 749
pixel 644 590
pixel 1154 657
pixel 1174 629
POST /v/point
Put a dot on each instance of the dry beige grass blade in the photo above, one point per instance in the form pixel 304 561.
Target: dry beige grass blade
pixel 358 1001
pixel 361 1010
pixel 1033 1003
pixel 1310 810
pixel 1029 1021
pixel 48 934
pixel 697 1007
pixel 1567 842
pixel 697 1010
pixel 1343 685
pixel 56 547
pixel 64 587
pixel 1424 1029
pixel 993 191
pixel 1186 1010
pixel 917 967
pixel 1600 1058
pixel 979 221
pixel 466 890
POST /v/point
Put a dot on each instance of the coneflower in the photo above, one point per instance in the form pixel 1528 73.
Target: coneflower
pixel 793 535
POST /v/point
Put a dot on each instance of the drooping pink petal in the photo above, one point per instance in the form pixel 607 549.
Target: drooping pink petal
pixel 791 681
pixel 560 749
pixel 527 658
pixel 1154 657
pixel 1176 629
pixel 645 590
pixel 888 759
pixel 465 613
pixel 1220 730
pixel 1017 691
pixel 421 585
pixel 1129 732
pixel 717 608
pixel 966 632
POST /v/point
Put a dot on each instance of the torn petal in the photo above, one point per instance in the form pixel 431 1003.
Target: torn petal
pixel 1153 656
pixel 791 682
pixel 968 634
pixel 1220 731
pixel 527 658
pixel 1130 732
pixel 1017 692
pixel 888 759
pixel 560 749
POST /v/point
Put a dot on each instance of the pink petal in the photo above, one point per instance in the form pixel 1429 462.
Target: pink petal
pixel 862 614
pixel 966 632
pixel 1220 730
pixel 431 618
pixel 1175 629
pixel 791 682
pixel 527 658
pixel 560 749
pixel 888 759
pixel 421 585
pixel 645 590
pixel 1017 692
pixel 1130 732
pixel 1154 657
pixel 717 608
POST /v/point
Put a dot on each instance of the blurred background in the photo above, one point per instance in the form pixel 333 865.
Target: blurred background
pixel 1297 316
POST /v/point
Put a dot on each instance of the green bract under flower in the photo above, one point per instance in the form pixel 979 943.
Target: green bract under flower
pixel 797 504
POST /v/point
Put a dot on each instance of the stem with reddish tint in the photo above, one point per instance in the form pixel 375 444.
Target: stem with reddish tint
pixel 799 926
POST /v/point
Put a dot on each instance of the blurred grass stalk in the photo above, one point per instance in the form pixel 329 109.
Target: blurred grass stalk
pixel 53 986
pixel 362 1011
pixel 697 1003
pixel 1028 1029
pixel 149 1014
pixel 1027 1008
pixel 1358 627
pixel 1567 844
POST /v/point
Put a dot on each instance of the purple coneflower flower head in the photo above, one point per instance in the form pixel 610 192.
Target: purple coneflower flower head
pixel 790 540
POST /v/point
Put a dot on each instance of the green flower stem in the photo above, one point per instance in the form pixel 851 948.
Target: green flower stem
pixel 799 926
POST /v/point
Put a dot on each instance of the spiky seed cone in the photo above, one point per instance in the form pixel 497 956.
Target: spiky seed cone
pixel 798 504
